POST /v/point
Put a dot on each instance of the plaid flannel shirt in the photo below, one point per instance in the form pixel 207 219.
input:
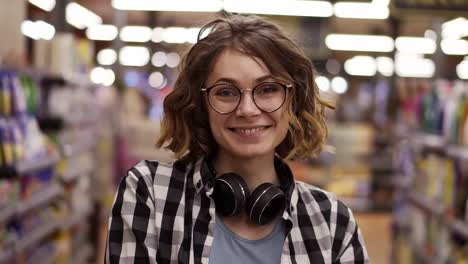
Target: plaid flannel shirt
pixel 164 213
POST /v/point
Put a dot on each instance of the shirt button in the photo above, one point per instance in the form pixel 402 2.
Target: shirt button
pixel 292 208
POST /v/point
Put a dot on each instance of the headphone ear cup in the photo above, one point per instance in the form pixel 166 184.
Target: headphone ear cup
pixel 230 194
pixel 265 202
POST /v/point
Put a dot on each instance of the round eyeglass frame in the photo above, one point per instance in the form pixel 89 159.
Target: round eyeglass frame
pixel 285 86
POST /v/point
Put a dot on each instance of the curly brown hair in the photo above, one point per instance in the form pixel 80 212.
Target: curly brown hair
pixel 185 127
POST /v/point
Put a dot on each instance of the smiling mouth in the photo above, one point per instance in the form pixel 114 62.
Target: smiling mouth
pixel 249 131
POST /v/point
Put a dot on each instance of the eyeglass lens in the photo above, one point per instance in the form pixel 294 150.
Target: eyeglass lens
pixel 268 97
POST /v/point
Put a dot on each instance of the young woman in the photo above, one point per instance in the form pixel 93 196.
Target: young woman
pixel 244 102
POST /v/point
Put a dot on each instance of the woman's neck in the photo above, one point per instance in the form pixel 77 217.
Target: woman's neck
pixel 254 171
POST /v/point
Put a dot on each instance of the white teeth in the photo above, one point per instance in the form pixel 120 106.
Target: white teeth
pixel 250 131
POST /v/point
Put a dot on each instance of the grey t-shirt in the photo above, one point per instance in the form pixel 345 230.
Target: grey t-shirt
pixel 230 248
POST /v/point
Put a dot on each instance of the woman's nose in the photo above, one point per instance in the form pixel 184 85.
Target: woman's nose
pixel 247 106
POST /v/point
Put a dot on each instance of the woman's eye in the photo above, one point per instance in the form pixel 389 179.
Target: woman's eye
pixel 226 92
pixel 269 89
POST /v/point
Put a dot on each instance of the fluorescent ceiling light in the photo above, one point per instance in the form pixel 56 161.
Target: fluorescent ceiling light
pixel 106 57
pixel 134 56
pixel 80 17
pixel 156 80
pixel 38 30
pixel 385 66
pixel 359 43
pixel 281 7
pixel 159 59
pixel 415 45
pixel 173 59
pixel 361 10
pixel 102 32
pixel 455 29
pixel 323 83
pixel 46 5
pixel 462 69
pixel 414 66
pixel 339 85
pixel 103 76
pixel 454 46
pixel 169 5
pixel 175 35
pixel 361 66
pixel 136 34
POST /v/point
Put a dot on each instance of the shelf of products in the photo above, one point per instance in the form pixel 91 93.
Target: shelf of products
pixel 434 162
pixel 49 193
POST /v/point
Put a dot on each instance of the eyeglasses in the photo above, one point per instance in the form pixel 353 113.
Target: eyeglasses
pixel 224 98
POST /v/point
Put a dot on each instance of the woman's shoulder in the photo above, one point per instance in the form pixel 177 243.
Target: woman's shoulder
pixel 325 200
pixel 154 169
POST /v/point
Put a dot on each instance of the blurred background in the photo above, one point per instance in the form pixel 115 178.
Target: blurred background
pixel 81 90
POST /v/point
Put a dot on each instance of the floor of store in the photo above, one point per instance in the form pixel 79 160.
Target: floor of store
pixel 375 228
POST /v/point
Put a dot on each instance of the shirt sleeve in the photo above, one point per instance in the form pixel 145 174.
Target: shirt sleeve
pixel 131 237
pixel 348 238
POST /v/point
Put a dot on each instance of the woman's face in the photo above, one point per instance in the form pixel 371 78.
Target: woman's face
pixel 247 132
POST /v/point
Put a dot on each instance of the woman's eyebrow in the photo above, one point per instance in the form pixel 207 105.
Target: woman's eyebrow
pixel 235 82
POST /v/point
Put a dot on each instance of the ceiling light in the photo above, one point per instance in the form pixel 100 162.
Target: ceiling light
pixel 136 34
pixel 38 30
pixel 415 45
pixel 80 17
pixel 361 10
pixel 323 83
pixel 339 85
pixel 192 35
pixel 46 5
pixel 359 43
pixel 361 66
pixel 107 57
pixel 134 56
pixel 281 7
pixel 175 35
pixel 414 66
pixel 455 29
pixel 173 5
pixel 157 35
pixel 385 66
pixel 103 76
pixel 454 46
pixel 159 59
pixel 462 69
pixel 102 32
pixel 173 59
pixel 156 80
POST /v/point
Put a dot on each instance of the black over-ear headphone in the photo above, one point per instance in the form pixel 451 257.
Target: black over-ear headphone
pixel 231 195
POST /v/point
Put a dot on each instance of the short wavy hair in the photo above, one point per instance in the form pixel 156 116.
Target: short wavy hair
pixel 185 128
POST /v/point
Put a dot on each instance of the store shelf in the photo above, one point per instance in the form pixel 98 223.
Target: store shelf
pixel 71 176
pixel 6 213
pixel 82 255
pixel 459 227
pixel 44 196
pixel 458 152
pixel 75 219
pixel 23 167
pixel 49 259
pixel 6 255
pixel 74 149
pixel 431 207
pixel 429 141
pixel 37 235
